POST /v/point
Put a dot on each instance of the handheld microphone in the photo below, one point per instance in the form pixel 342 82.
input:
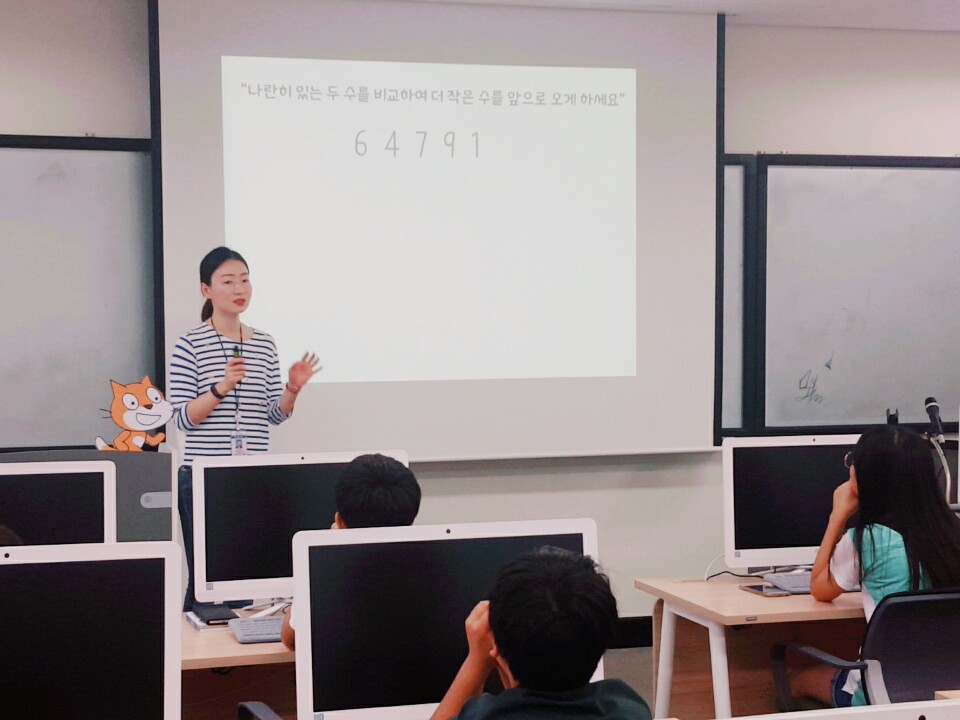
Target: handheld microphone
pixel 933 412
pixel 238 353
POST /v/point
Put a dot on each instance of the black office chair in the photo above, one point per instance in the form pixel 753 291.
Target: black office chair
pixel 910 650
pixel 255 711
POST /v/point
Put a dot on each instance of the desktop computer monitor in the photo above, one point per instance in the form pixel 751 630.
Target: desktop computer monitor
pixel 246 510
pixel 777 496
pixel 380 612
pixel 59 503
pixel 90 631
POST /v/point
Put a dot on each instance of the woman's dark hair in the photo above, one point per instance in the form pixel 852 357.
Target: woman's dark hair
pixel 211 261
pixel 897 487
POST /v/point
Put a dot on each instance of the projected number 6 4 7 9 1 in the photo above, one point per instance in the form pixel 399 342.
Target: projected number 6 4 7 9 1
pixel 419 143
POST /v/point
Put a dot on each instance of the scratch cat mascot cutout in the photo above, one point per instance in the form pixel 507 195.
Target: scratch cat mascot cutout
pixel 136 408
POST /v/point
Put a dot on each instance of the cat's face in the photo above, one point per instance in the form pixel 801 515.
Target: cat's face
pixel 139 406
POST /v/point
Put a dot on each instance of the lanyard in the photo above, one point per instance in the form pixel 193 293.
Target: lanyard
pixel 238 352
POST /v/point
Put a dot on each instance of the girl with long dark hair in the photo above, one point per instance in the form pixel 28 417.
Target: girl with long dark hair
pixel 905 538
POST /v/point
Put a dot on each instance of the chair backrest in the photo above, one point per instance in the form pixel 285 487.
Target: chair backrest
pixel 916 638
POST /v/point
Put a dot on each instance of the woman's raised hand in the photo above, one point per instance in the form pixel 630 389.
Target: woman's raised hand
pixel 304 369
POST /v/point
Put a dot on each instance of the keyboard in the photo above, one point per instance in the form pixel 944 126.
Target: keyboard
pixel 795 583
pixel 257 629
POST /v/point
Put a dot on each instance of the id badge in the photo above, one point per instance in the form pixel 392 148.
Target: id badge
pixel 238 443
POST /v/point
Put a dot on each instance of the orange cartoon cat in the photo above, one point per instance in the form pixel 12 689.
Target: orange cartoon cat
pixel 136 408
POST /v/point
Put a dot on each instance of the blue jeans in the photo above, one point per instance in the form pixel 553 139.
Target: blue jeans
pixel 841 698
pixel 185 506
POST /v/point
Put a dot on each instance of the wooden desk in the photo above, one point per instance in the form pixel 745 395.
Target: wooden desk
pixel 219 648
pixel 219 673
pixel 731 646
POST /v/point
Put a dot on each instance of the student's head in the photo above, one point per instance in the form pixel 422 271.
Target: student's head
pixel 376 491
pixel 897 486
pixel 552 615
pixel 895 475
pixel 9 537
pixel 224 282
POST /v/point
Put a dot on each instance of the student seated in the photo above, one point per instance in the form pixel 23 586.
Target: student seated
pixel 9 537
pixel 905 538
pixel 549 619
pixel 373 491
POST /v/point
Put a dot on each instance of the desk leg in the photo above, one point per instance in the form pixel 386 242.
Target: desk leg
pixel 718 660
pixel 668 632
pixel 727 674
pixel 720 671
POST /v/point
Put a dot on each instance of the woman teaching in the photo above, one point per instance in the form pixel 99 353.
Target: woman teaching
pixel 225 382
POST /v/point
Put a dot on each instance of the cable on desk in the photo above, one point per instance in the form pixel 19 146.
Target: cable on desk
pixel 707 576
pixel 730 572
pixel 710 565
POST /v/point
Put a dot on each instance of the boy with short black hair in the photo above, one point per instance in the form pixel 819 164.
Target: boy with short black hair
pixel 372 491
pixel 549 619
pixel 376 491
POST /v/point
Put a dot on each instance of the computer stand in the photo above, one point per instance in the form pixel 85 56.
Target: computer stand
pixel 762 570
pixel 269 607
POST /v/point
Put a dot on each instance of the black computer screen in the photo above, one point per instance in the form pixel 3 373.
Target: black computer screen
pixel 82 640
pixel 252 512
pixel 782 496
pixel 387 619
pixel 53 508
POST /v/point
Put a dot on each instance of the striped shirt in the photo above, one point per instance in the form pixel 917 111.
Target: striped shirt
pixel 199 360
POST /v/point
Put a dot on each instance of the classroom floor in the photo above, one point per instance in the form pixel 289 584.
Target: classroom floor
pixel 634 666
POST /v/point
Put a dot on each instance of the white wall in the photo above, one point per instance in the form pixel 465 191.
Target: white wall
pixel 850 92
pixel 657 516
pixel 74 67
pixel 674 57
pixel 795 90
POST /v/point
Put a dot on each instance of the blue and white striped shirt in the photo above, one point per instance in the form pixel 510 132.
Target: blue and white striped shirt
pixel 199 360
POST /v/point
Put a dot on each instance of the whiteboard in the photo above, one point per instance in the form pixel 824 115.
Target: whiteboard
pixel 666 403
pixel 76 288
pixel 861 294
